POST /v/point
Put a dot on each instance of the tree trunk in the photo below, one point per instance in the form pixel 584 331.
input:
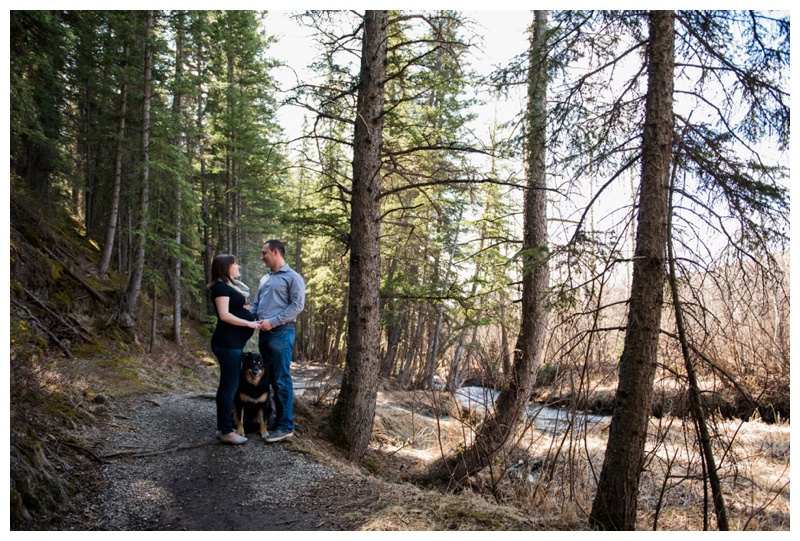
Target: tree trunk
pixel 153 319
pixel 176 272
pixel 90 193
pixel 504 345
pixel 131 295
pixel 471 348
pixel 455 364
pixel 614 506
pixel 340 323
pixel 394 321
pixel 393 334
pixel 204 204
pixel 353 413
pixel 299 350
pixel 229 151
pixel 111 229
pixel 411 348
pixel 512 402
pixel 177 106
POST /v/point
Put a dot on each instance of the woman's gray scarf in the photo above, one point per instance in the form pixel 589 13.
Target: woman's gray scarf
pixel 240 286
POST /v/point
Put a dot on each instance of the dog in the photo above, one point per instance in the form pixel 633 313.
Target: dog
pixel 253 403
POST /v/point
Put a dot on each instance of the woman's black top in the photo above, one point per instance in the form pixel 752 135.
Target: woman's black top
pixel 227 335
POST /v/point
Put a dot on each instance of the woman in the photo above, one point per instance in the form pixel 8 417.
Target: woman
pixel 235 326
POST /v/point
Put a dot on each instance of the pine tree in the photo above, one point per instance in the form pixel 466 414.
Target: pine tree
pixel 352 416
pixel 616 502
pixel 38 47
pixel 131 295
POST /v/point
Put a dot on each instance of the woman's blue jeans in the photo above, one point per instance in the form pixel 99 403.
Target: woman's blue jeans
pixel 276 348
pixel 229 367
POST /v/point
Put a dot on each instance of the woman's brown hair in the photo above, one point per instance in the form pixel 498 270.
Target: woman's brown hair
pixel 221 269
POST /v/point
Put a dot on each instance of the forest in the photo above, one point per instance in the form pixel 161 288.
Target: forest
pixel 617 246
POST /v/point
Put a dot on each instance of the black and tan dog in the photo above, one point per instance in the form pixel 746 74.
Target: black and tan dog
pixel 252 401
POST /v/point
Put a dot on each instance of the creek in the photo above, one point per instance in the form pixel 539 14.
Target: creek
pixel 544 418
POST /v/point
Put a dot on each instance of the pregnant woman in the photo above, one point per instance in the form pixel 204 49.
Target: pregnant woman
pixel 235 326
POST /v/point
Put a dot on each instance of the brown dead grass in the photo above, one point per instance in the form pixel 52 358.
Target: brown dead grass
pixel 553 475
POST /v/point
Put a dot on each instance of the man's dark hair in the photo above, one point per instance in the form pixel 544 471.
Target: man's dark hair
pixel 276 245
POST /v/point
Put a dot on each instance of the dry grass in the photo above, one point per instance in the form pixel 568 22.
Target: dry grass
pixel 552 473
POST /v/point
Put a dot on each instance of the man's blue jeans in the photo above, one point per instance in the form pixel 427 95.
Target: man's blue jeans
pixel 229 367
pixel 276 348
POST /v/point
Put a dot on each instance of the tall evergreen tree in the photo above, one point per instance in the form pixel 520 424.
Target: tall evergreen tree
pixel 352 416
pixel 615 504
pixel 113 216
pixel 178 122
pixel 130 297
pixel 714 53
pixel 38 47
pixel 240 114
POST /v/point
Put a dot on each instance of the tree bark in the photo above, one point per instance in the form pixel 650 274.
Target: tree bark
pixel 353 413
pixel 512 402
pixel 230 177
pixel 615 504
pixel 153 320
pixel 412 346
pixel 394 322
pixel 453 380
pixel 205 227
pixel 393 334
pixel 340 323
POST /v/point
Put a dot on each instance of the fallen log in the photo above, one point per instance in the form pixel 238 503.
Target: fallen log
pixel 69 271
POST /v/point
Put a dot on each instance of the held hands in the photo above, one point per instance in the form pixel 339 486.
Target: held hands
pixel 264 325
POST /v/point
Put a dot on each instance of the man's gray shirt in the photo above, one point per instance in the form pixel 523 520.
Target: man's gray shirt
pixel 280 297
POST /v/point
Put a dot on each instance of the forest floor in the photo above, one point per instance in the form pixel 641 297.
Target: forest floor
pixel 157 466
pixel 163 469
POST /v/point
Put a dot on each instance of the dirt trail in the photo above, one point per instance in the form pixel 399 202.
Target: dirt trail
pixel 165 470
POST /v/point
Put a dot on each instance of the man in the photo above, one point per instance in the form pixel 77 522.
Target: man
pixel 280 298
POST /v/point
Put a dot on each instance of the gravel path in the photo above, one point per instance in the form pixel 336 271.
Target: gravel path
pixel 165 470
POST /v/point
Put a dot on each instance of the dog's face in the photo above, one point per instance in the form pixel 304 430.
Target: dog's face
pixel 252 367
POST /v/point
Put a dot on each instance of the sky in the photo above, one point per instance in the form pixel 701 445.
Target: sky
pixel 504 35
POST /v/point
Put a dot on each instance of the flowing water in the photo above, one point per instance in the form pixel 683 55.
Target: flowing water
pixel 543 418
